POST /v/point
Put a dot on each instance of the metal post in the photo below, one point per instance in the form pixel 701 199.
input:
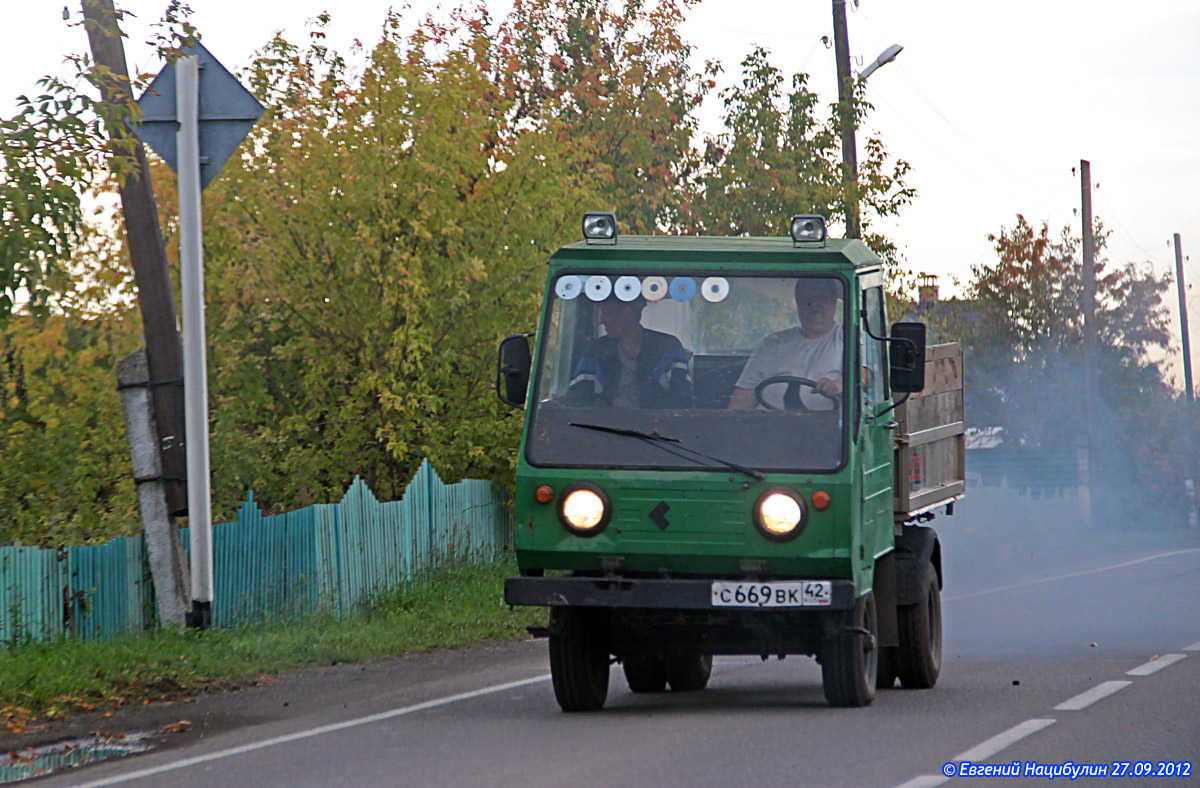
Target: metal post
pixel 195 369
pixel 841 51
pixel 1090 339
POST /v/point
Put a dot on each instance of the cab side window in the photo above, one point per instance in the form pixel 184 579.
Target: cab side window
pixel 873 353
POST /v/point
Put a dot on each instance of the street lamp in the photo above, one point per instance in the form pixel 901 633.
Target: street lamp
pixel 846 84
pixel 886 56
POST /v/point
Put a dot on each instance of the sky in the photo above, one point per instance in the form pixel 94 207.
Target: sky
pixel 993 104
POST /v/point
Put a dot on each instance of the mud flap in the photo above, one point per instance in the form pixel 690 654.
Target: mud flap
pixel 884 589
pixel 917 549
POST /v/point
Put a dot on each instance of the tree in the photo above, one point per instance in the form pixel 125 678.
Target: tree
pixel 617 81
pixel 385 225
pixel 65 476
pixel 52 151
pixel 1022 328
pixel 368 251
pixel 776 158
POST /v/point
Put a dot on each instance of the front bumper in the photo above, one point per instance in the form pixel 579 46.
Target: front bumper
pixel 643 593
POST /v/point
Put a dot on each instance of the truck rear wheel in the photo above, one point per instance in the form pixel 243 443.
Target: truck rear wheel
pixel 849 659
pixel 645 673
pixel 688 672
pixel 920 654
pixel 578 658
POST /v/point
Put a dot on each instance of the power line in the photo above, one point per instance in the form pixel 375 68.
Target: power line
pixel 1127 235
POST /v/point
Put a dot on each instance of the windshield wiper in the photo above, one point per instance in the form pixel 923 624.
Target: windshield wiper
pixel 656 439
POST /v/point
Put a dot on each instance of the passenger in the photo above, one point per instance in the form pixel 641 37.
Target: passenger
pixel 631 366
pixel 811 350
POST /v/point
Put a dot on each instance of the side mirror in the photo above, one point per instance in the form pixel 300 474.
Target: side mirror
pixel 513 365
pixel 907 356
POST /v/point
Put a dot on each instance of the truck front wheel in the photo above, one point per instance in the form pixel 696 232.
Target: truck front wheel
pixel 849 658
pixel 578 658
pixel 919 658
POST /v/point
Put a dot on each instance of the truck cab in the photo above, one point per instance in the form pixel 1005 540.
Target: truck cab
pixel 709 464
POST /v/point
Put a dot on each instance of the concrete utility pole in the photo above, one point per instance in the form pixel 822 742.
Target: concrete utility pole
pixel 1187 344
pixel 841 51
pixel 1090 342
pixel 164 354
pixel 168 564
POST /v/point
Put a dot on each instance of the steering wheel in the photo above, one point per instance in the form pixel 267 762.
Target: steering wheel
pixel 791 396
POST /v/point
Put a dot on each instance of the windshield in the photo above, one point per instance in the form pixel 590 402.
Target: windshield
pixel 730 370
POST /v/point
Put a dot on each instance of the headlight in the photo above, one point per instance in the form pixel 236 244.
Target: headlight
pixel 584 509
pixel 779 514
pixel 808 229
pixel 600 226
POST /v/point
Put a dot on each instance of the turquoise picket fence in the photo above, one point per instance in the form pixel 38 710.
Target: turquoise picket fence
pixel 327 557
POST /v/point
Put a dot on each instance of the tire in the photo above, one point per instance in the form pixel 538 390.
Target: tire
pixel 885 675
pixel 919 657
pixel 688 672
pixel 645 673
pixel 849 663
pixel 578 658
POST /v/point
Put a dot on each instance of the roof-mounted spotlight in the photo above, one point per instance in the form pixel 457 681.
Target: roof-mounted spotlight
pixel 808 229
pixel 600 227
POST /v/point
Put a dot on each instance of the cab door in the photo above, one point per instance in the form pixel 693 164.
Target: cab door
pixel 876 434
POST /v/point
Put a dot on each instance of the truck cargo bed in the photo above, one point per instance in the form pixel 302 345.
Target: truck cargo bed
pixel 931 439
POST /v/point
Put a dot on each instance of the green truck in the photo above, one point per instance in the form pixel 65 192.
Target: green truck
pixel 727 451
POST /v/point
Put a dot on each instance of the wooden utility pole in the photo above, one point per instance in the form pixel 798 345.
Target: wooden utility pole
pixel 1091 376
pixel 164 354
pixel 1183 321
pixel 1190 437
pixel 841 51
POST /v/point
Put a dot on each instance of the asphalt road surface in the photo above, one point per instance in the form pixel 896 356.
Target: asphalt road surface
pixel 1054 653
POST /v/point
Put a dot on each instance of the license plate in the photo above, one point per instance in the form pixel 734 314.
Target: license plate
pixel 803 593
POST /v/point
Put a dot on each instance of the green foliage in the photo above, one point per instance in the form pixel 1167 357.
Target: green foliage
pixel 617 80
pixel 777 157
pixel 65 475
pixel 48 151
pixel 383 234
pixel 386 224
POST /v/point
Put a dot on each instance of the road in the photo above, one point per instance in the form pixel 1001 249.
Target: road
pixel 1053 653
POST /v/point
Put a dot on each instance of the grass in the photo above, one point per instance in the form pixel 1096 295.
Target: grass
pixel 46 681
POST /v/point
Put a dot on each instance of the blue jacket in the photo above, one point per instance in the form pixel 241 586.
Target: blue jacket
pixel 664 378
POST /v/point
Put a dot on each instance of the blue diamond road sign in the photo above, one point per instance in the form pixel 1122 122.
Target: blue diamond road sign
pixel 227 113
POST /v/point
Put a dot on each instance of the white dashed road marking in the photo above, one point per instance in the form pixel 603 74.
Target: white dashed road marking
pixel 987 749
pixel 1085 699
pixel 924 781
pixel 1155 665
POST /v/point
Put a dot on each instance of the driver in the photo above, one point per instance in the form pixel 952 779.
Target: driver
pixel 811 350
pixel 631 366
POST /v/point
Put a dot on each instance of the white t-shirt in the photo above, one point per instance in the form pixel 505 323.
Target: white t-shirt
pixel 789 352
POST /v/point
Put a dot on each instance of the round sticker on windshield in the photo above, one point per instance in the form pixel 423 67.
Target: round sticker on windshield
pixel 627 288
pixel 683 288
pixel 654 288
pixel 568 287
pixel 598 288
pixel 715 288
